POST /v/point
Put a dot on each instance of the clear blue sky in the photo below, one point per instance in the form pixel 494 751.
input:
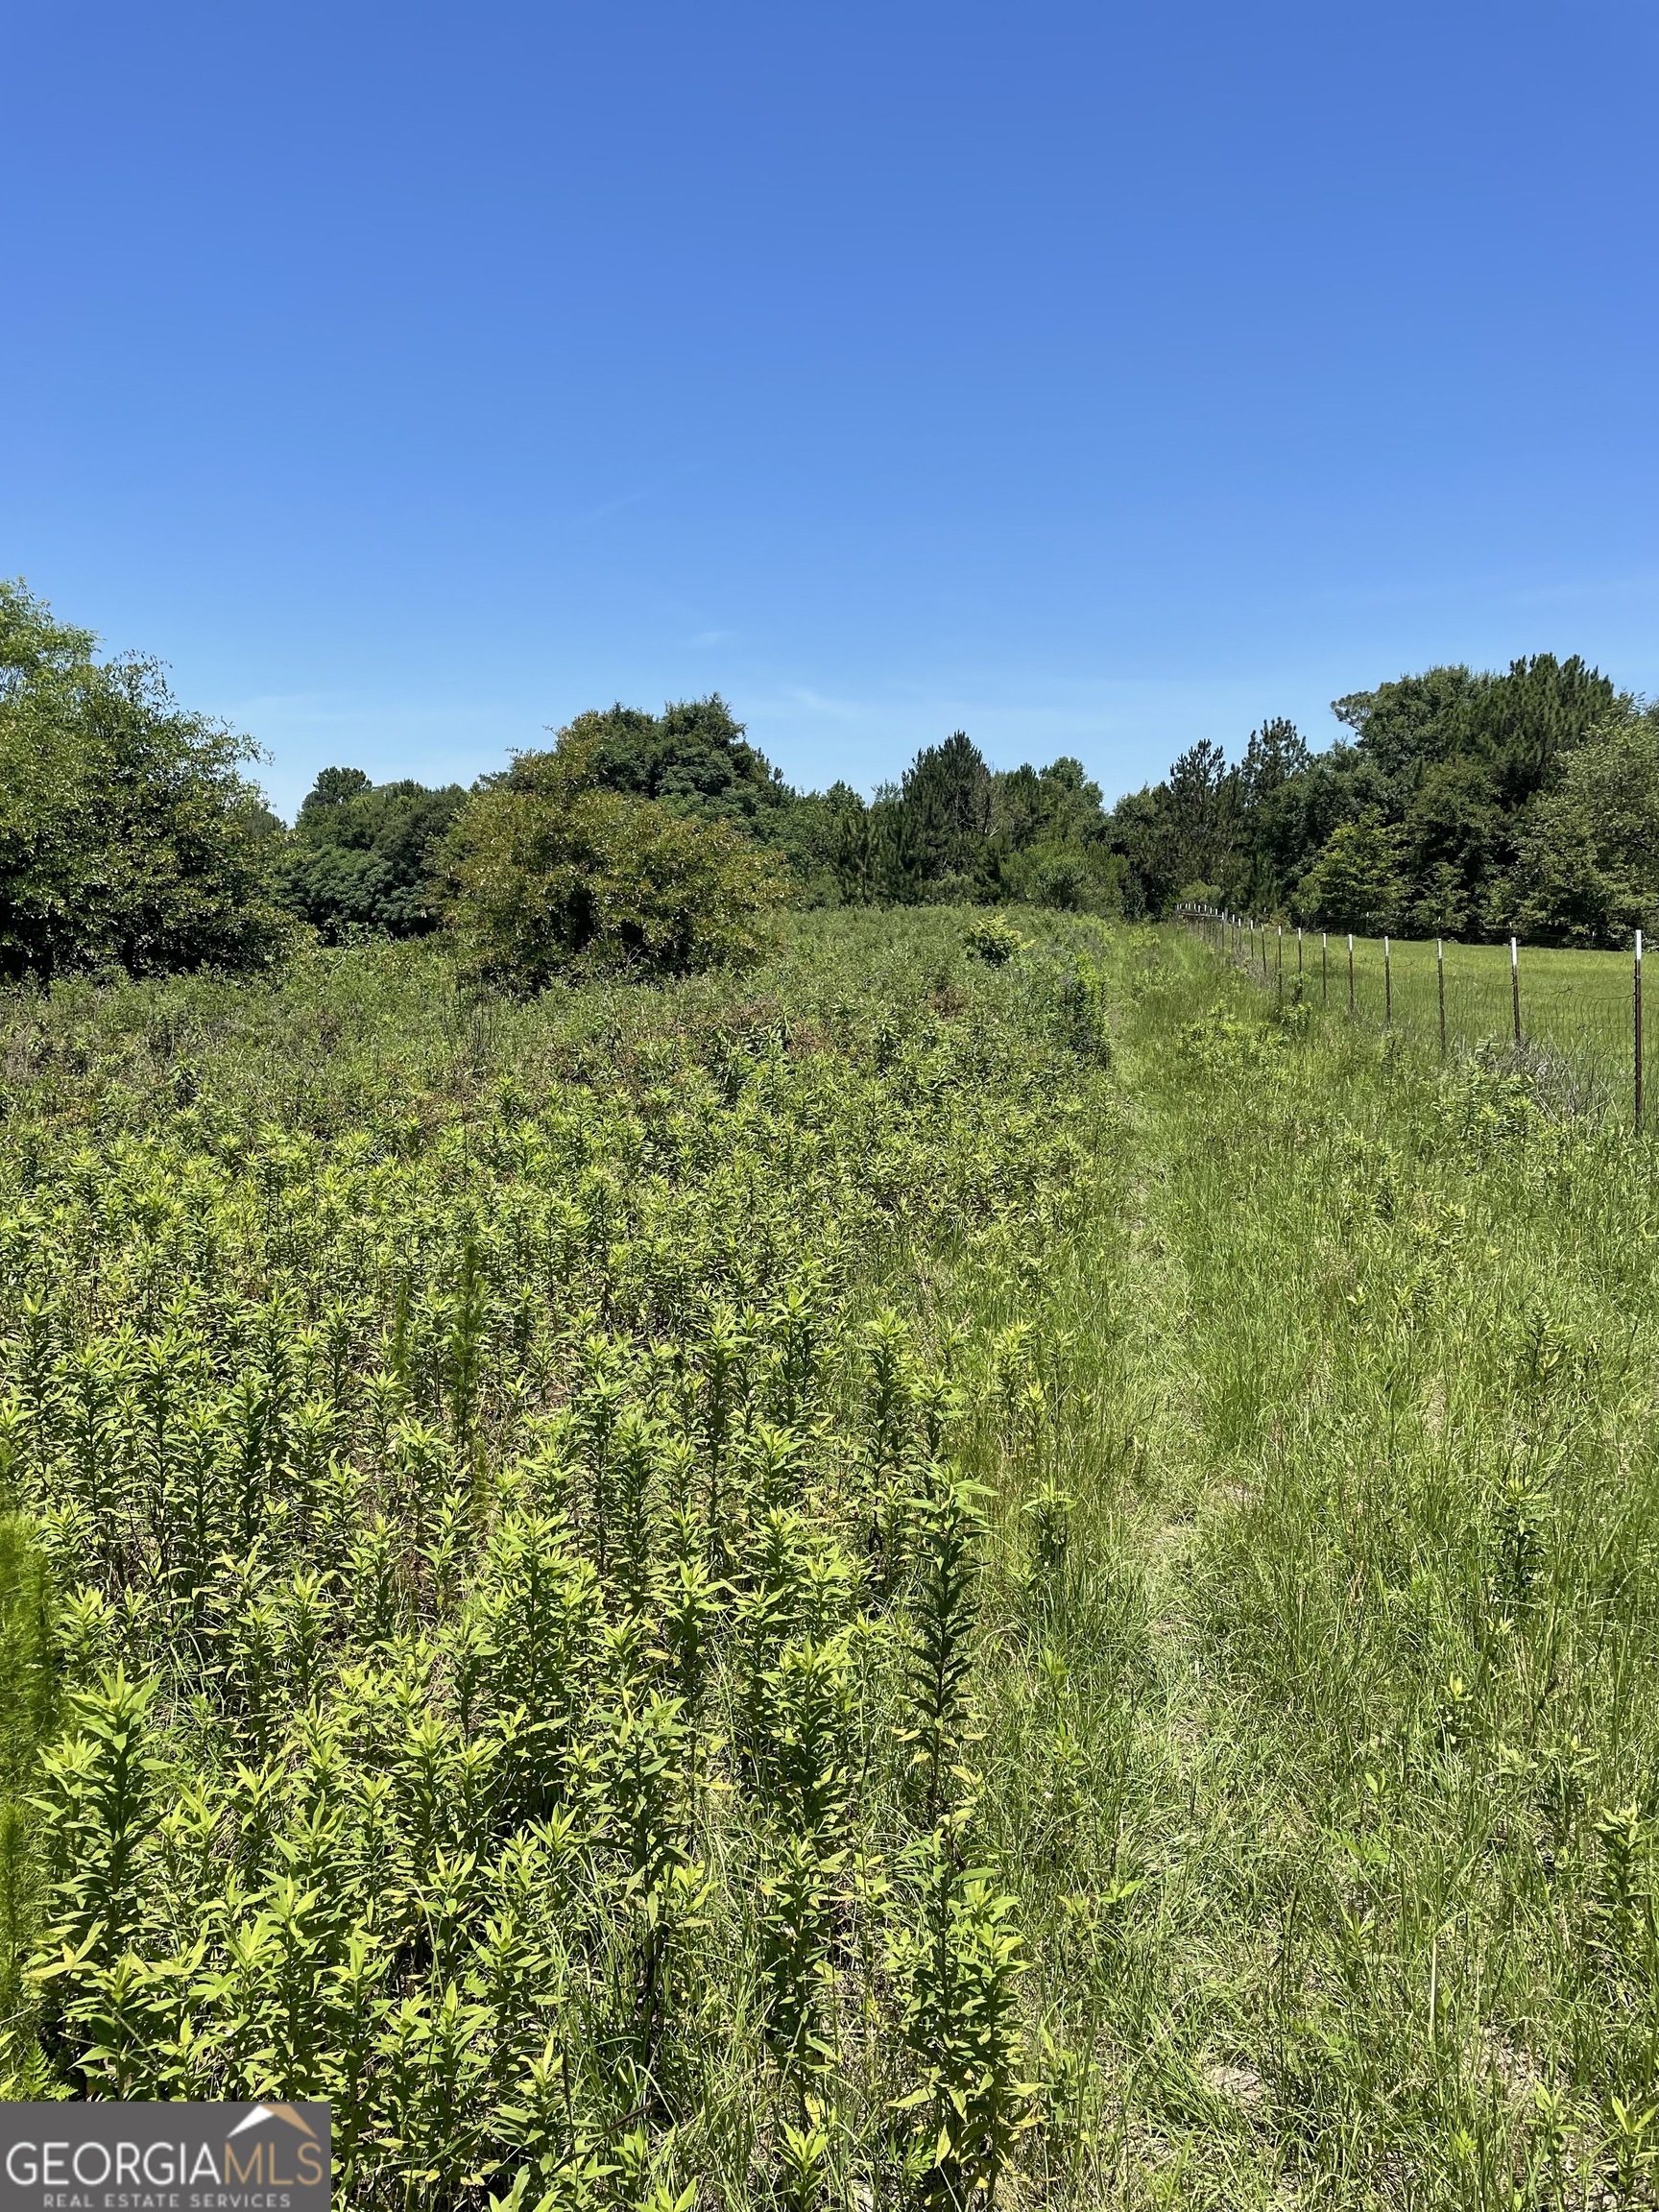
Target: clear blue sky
pixel 1093 377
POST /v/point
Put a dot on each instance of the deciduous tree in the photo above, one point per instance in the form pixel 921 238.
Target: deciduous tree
pixel 129 835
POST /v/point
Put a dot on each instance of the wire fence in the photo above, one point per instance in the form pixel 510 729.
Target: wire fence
pixel 1575 1017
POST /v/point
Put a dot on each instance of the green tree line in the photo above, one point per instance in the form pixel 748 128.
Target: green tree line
pixel 1458 803
pixel 132 836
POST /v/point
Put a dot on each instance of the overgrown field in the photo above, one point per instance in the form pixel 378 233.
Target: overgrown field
pixel 914 1577
pixel 499 1567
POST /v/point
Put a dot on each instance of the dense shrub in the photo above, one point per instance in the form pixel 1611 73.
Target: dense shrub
pixel 550 875
pixel 993 940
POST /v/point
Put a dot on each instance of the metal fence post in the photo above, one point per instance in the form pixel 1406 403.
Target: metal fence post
pixel 1387 986
pixel 1515 986
pixel 1636 1010
pixel 1350 974
pixel 1440 980
pixel 1324 968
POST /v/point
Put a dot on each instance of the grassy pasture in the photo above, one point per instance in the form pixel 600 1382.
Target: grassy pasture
pixel 1576 1006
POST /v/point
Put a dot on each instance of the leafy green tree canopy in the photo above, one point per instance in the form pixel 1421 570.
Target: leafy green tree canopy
pixel 1521 723
pixel 1357 881
pixel 129 836
pixel 955 827
pixel 362 853
pixel 692 758
pixel 553 873
pixel 1435 810
pixel 1587 872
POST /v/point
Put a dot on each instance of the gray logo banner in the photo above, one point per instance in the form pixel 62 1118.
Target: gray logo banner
pixel 110 2157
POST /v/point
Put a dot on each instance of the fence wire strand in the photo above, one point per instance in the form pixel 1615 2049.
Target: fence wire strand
pixel 1579 1010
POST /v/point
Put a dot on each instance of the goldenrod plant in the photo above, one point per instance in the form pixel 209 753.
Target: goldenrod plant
pixel 477 1521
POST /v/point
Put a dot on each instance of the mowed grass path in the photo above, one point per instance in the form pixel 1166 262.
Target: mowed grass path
pixel 1357 1712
